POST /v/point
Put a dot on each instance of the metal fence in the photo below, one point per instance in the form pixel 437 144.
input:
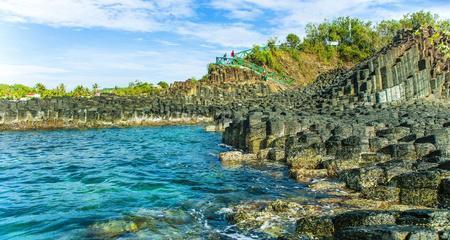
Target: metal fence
pixel 239 60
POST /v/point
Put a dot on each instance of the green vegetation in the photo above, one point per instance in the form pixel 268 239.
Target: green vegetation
pixel 358 39
pixel 163 85
pixel 445 49
pixel 265 56
pixel 292 41
pixel 138 88
pixel 80 91
pixel 18 91
pixel 14 91
pixel 345 40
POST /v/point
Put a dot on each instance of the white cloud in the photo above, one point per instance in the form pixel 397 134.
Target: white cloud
pixel 27 74
pixel 129 15
pixel 238 9
pixel 442 11
pixel 167 43
pixel 237 35
pixel 176 15
pixel 293 15
pixel 110 67
pixel 13 70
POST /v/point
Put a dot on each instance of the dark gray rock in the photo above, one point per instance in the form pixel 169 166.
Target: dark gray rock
pixel 434 218
pixel 387 232
pixel 363 218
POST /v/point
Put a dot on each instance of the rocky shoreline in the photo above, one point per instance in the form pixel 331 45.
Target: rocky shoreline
pixel 375 139
pixel 143 122
pixel 383 137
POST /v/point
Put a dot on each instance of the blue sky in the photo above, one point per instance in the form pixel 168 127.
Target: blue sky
pixel 114 42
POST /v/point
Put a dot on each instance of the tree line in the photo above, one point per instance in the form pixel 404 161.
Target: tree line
pixel 18 91
pixel 347 40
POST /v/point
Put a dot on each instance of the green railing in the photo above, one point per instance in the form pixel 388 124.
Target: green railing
pixel 239 60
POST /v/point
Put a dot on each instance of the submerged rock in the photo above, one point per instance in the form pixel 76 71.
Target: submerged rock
pixel 172 224
pixel 236 158
pixel 116 228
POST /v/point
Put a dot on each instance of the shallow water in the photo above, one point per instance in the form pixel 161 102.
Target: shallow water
pixel 80 184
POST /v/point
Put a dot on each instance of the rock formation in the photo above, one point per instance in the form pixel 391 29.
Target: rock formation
pixel 381 128
pixel 184 103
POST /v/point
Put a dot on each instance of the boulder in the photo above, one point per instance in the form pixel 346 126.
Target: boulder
pixel 308 158
pixel 236 157
pixel 444 193
pixel 419 197
pixel 321 226
pixel 425 217
pixel 277 154
pixel 424 179
pixel 382 193
pixel 361 178
pixel 423 149
pixel 387 232
pixel 363 218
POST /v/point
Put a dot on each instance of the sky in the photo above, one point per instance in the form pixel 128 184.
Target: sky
pixel 114 42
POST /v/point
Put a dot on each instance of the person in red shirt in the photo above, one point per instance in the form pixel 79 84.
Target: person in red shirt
pixel 232 54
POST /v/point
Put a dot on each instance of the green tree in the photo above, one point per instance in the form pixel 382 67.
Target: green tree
pixel 80 91
pixel 444 26
pixel 135 88
pixel 418 19
pixel 272 44
pixel 15 91
pixel 387 30
pixel 163 85
pixel 95 87
pixel 357 39
pixel 40 88
pixel 293 41
pixel 4 91
pixel 60 90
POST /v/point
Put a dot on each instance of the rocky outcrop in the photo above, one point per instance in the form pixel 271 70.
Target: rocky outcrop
pixel 183 103
pixel 381 128
pixel 97 112
pixel 412 224
pixel 411 68
pixel 236 158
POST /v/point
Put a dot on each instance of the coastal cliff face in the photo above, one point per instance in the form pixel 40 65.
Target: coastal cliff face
pixel 229 82
pixel 412 68
pixel 97 112
pixel 184 103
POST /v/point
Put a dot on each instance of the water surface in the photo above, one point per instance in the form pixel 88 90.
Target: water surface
pixel 59 184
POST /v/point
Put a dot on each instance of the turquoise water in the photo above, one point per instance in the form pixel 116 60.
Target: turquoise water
pixel 161 182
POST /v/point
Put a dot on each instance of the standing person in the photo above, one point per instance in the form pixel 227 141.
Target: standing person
pixel 225 55
pixel 232 54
